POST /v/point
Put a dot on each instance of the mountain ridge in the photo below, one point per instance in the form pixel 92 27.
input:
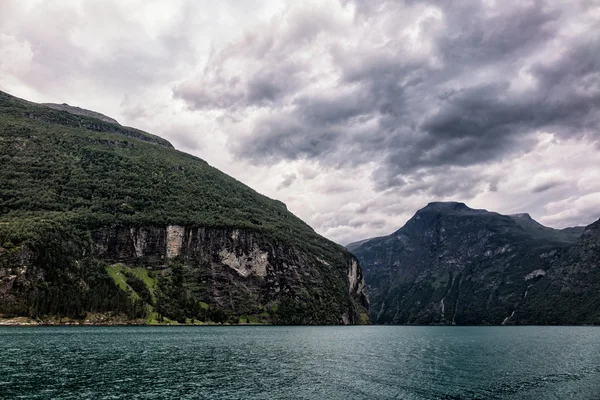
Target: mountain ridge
pixel 450 264
pixel 81 111
pixel 571 233
pixel 19 108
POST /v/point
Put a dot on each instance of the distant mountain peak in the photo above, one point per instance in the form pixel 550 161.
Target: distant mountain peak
pixel 450 205
pixel 521 216
pixel 450 264
pixel 450 208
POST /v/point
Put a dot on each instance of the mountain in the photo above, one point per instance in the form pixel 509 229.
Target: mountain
pixel 450 264
pixel 354 245
pixel 567 235
pixel 570 291
pixel 103 223
pixel 80 111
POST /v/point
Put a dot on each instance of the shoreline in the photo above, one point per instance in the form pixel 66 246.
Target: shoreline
pixel 25 322
pixel 46 324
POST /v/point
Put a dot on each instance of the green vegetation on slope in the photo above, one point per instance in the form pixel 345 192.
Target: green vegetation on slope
pixel 66 175
pixel 92 173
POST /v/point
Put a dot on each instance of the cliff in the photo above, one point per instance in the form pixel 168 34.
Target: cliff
pixel 104 222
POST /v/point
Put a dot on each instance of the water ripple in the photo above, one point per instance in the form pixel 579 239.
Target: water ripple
pixel 374 362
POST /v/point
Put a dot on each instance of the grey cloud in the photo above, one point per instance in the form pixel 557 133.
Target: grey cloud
pixel 261 69
pixel 263 88
pixel 569 97
pixel 308 173
pixel 388 204
pixel 129 59
pixel 442 184
pixel 183 136
pixel 363 209
pixel 349 222
pixel 581 211
pixel 369 223
pixel 484 37
pixel 430 111
pixel 431 184
pixel 336 187
pixel 288 180
pixel 408 114
pixel 542 187
pixel 283 136
pixel 493 185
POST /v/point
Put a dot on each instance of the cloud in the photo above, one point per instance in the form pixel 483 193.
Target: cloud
pixel 355 113
pixel 288 180
pixel 454 104
pixel 16 55
pixel 429 107
pixel 544 181
pixel 574 211
pixel 265 66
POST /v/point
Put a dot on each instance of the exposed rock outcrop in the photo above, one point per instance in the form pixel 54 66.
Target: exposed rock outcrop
pixel 232 258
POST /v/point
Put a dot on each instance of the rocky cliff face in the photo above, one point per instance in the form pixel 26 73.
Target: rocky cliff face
pixel 97 218
pixel 451 264
pixel 233 270
pixel 236 265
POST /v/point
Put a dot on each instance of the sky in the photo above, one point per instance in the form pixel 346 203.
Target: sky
pixel 355 113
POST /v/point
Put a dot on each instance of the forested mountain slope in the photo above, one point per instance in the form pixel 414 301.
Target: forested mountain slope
pixel 98 220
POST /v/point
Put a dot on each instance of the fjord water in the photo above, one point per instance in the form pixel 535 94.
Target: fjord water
pixel 370 362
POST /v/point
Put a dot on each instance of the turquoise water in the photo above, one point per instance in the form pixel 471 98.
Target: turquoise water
pixel 363 362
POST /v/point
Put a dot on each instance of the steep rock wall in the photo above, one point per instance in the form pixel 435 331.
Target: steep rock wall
pixel 235 263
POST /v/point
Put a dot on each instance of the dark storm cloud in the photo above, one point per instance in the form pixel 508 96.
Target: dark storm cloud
pixel 288 179
pixel 367 222
pixel 481 83
pixel 478 37
pixel 263 88
pixel 436 182
pixel 542 187
pixel 259 70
